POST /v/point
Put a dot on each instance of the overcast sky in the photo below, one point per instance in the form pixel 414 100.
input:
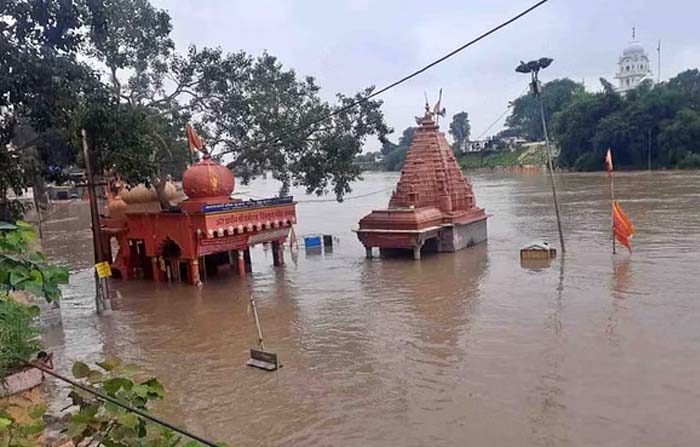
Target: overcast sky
pixel 350 44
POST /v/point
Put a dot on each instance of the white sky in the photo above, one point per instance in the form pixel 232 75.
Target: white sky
pixel 350 44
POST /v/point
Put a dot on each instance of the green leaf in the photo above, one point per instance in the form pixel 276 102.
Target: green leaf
pixel 4 424
pixel 155 388
pixel 109 363
pixel 112 386
pixel 18 276
pixel 80 370
pixel 38 411
pixel 35 429
pixel 95 376
pixel 113 408
pixel 75 430
pixel 129 420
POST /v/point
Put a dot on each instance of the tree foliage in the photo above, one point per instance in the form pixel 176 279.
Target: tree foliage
pixel 24 268
pixel 395 154
pixel 137 93
pixel 652 121
pixel 41 81
pixel 460 130
pixel 525 121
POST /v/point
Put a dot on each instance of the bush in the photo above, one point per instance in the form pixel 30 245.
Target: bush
pixel 23 268
pixel 19 338
pixel 690 161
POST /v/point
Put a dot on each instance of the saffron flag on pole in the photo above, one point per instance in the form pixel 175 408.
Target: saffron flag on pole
pixel 622 226
pixel 193 139
pixel 609 163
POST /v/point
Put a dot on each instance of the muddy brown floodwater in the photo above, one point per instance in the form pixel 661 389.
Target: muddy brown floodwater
pixel 457 349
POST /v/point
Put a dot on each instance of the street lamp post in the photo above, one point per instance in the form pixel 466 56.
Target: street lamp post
pixel 533 68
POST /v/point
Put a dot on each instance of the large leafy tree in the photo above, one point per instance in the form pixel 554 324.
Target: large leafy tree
pixel 460 130
pixel 524 120
pixel 41 81
pixel 250 109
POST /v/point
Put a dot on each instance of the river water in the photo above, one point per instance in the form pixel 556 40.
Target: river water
pixel 469 348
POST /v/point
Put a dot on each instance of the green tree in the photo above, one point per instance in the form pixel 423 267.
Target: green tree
pixel 394 159
pixel 574 128
pixel 40 82
pixel 251 108
pixel 460 130
pixel 406 138
pixel 679 140
pixel 525 121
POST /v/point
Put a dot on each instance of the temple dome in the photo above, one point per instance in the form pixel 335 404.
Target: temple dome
pixel 633 49
pixel 208 179
pixel 139 194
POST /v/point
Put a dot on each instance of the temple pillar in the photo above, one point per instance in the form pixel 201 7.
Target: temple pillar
pixel 155 268
pixel 416 252
pixel 194 271
pixel 241 264
pixel 248 262
pixel 277 254
pixel 368 252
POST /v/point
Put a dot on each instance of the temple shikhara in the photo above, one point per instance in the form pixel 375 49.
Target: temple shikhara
pixel 199 234
pixel 433 208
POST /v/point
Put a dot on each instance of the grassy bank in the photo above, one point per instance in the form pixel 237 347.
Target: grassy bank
pixel 532 155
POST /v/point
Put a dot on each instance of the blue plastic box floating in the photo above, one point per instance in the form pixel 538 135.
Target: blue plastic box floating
pixel 312 241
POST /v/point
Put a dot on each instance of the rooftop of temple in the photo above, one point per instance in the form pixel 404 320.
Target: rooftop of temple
pixel 203 231
pixel 433 207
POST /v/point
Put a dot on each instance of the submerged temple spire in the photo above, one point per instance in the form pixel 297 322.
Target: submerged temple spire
pixel 433 202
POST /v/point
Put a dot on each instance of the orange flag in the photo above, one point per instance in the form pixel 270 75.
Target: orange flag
pixel 193 139
pixel 622 226
pixel 608 163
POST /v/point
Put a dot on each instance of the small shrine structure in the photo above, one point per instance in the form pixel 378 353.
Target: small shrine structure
pixel 433 208
pixel 201 233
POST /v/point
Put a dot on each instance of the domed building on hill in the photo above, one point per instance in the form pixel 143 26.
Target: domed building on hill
pixel 633 66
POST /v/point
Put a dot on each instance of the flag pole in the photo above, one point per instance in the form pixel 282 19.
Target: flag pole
pixel 612 205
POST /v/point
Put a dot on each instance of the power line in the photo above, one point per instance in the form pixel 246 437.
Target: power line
pixel 345 199
pixel 419 71
pixel 410 76
pixel 500 117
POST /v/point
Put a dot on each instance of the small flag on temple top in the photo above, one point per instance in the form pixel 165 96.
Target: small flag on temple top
pixel 437 109
pixel 193 139
pixel 622 226
pixel 609 163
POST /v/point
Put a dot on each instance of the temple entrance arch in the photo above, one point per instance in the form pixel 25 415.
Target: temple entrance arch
pixel 170 253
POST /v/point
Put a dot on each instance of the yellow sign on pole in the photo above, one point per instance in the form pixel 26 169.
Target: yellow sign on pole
pixel 103 270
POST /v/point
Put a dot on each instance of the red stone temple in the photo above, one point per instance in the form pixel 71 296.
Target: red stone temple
pixel 433 208
pixel 198 236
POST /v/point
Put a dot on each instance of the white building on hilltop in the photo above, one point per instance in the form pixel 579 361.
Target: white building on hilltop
pixel 633 66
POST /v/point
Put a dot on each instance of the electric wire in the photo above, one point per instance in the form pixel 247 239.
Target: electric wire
pixel 409 76
pixel 419 71
pixel 500 117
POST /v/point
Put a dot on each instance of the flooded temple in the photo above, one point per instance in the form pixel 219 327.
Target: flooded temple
pixel 199 234
pixel 433 208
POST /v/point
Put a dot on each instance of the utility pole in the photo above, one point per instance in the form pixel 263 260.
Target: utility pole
pixel 649 150
pixel 102 301
pixel 658 52
pixel 533 68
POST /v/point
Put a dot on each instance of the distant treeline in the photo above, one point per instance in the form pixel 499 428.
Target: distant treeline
pixel 657 123
pixel 654 122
